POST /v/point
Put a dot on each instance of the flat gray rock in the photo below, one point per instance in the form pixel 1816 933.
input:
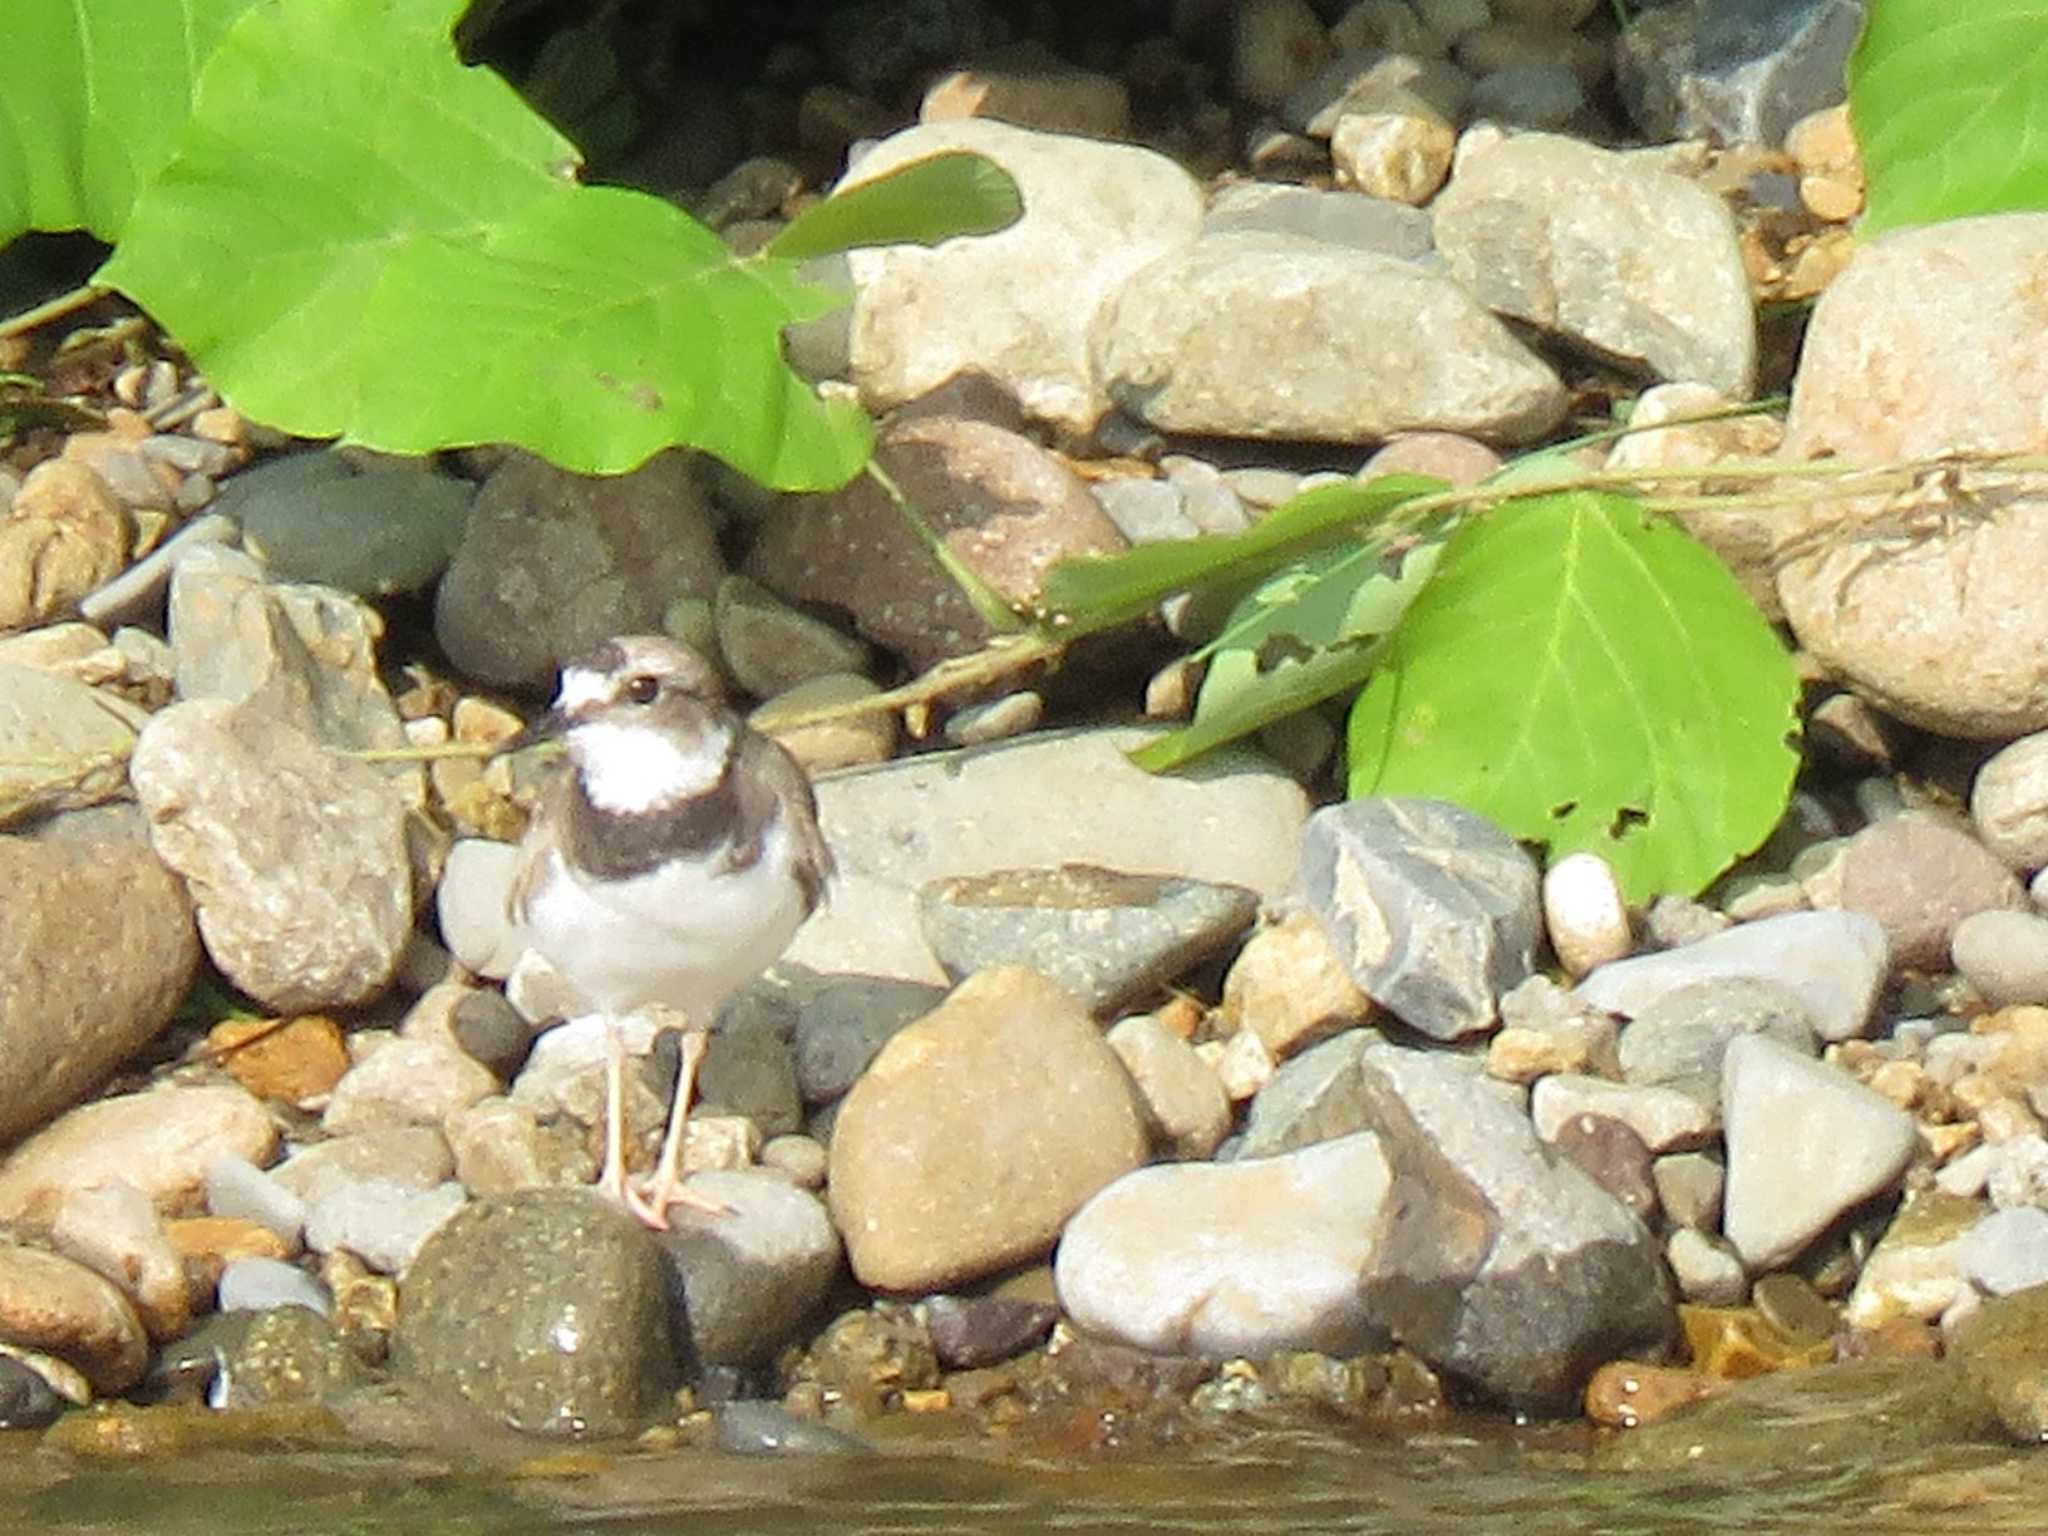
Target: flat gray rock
pixel 1432 908
pixel 1677 1041
pixel 1834 962
pixel 1106 936
pixel 63 745
pixel 1044 800
pixel 315 517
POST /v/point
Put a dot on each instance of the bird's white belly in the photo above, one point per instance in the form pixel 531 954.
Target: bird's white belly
pixel 683 935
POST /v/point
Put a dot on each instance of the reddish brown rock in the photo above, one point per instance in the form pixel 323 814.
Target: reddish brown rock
pixel 55 1305
pixel 160 1142
pixel 1006 507
pixel 97 946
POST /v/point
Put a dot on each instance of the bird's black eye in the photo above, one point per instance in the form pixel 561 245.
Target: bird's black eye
pixel 642 688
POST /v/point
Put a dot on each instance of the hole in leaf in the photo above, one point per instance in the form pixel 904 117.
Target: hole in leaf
pixel 1563 809
pixel 1282 647
pixel 1626 820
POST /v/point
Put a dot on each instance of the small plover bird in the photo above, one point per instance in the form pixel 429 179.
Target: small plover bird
pixel 668 865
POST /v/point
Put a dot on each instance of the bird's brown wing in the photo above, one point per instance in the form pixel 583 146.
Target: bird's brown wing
pixel 776 784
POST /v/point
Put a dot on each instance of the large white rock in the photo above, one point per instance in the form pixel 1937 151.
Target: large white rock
pixel 1606 250
pixel 1232 1258
pixel 1015 305
pixel 1931 341
pixel 1273 335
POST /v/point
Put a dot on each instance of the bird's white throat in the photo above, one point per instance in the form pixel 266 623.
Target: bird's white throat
pixel 629 770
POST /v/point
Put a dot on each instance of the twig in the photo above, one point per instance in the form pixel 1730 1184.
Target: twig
pixel 52 309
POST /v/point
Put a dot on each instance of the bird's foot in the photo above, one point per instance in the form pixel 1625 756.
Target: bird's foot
pixel 653 1199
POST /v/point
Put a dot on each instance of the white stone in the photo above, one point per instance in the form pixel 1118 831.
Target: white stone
pixel 1806 1142
pixel 1015 305
pixel 1586 913
pixel 2009 803
pixel 1222 1259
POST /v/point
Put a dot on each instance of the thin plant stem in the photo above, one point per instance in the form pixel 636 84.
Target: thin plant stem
pixel 52 309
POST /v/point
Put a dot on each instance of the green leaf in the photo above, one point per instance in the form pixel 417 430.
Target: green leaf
pixel 360 236
pixel 921 203
pixel 1098 588
pixel 616 314
pixel 1948 101
pixel 1304 635
pixel 92 96
pixel 1591 678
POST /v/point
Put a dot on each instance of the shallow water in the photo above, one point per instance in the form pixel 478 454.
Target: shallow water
pixel 1255 1481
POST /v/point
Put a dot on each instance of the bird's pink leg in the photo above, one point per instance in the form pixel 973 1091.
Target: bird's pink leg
pixel 666 1187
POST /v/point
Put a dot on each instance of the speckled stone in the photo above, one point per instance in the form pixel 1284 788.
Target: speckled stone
pixel 547 1310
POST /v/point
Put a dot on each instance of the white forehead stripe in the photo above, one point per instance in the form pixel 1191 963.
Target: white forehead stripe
pixel 631 769
pixel 581 686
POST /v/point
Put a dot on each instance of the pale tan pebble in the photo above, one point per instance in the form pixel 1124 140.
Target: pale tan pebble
pixel 1170 693
pixel 1974 1090
pixel 1903 1082
pixel 161 386
pixel 130 426
pixel 849 741
pixel 430 731
pixel 1180 1015
pixel 997 720
pixel 1823 140
pixel 1586 913
pixel 800 1159
pixel 221 424
pixel 1288 987
pixel 712 1142
pixel 1244 1065
pixel 1397 156
pixel 115 1229
pixel 1945 1143
pixel 1836 197
pixel 2003 1120
pixel 152 524
pixel 481 721
pixel 128 384
pixel 1522 1055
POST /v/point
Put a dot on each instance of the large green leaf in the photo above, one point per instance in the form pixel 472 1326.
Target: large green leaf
pixel 618 326
pixel 1949 99
pixel 1098 588
pixel 921 203
pixel 1591 678
pixel 92 96
pixel 360 236
pixel 1306 634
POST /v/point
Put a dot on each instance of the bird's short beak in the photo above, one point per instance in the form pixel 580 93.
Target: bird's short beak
pixel 547 726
